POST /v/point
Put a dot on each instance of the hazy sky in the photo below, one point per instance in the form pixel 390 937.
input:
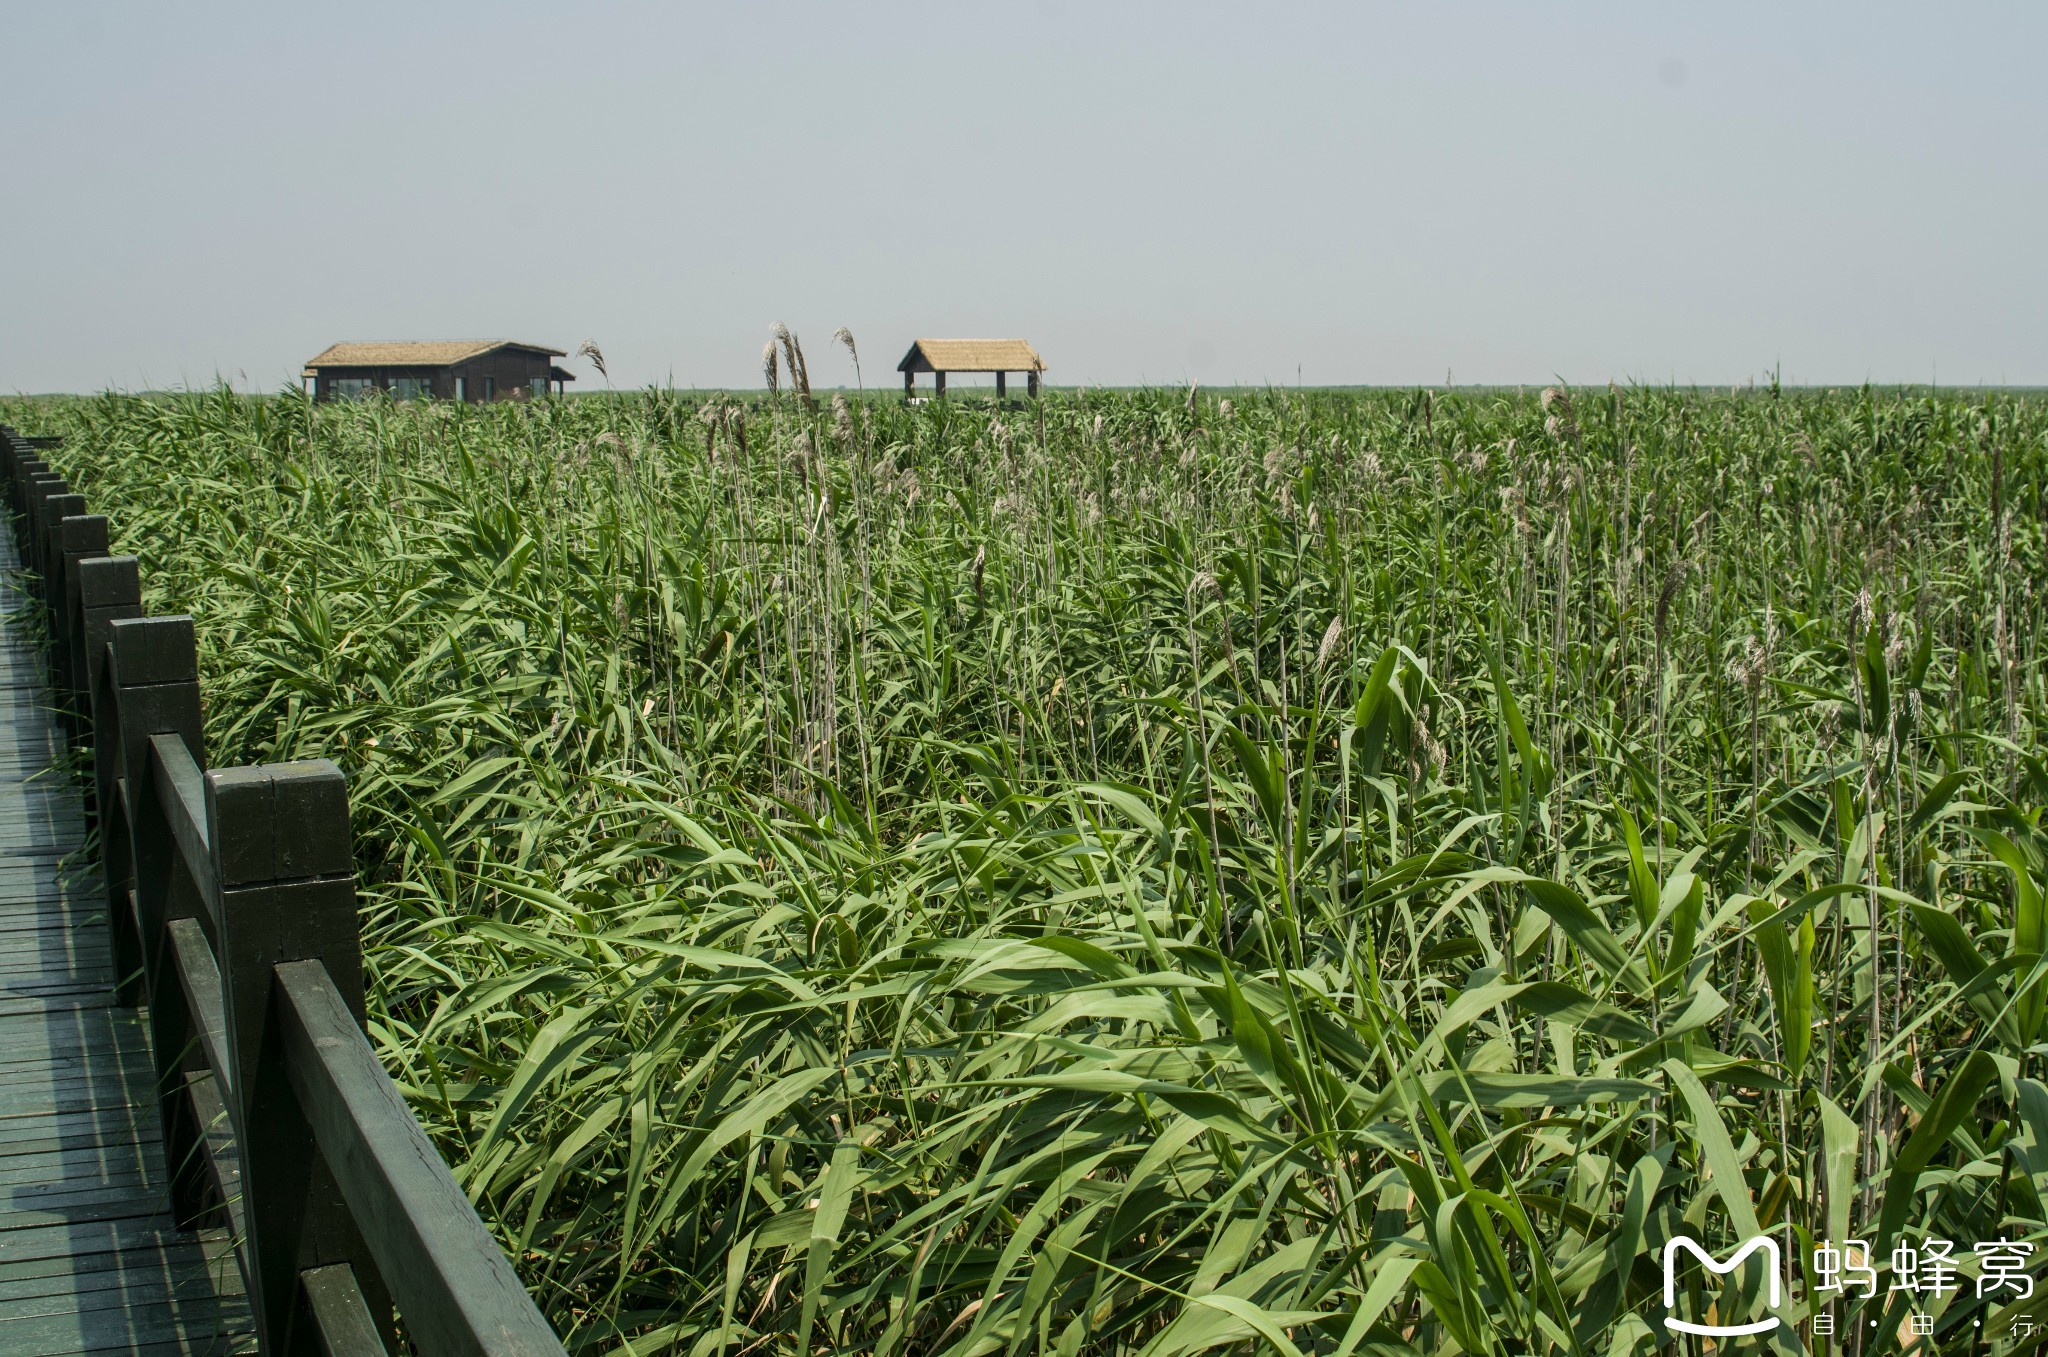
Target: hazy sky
pixel 1149 193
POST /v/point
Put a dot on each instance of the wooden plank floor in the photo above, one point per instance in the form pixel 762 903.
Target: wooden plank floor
pixel 89 1262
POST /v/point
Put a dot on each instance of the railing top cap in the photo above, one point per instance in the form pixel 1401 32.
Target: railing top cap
pixel 84 532
pixel 106 581
pixel 279 822
pixel 154 650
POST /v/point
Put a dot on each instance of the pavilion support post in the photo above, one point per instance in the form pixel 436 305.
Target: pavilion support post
pixel 1002 385
pixel 1031 384
pixel 909 385
pixel 939 378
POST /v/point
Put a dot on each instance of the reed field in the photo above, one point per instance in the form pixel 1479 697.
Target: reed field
pixel 1343 872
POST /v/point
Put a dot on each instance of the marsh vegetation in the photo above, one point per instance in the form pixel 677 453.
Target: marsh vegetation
pixel 1330 872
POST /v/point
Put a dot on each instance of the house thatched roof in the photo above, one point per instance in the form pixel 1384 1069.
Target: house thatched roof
pixel 434 353
pixel 971 355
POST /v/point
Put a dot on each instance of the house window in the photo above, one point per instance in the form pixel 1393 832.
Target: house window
pixel 411 388
pixel 490 388
pixel 350 388
pixel 460 393
pixel 540 386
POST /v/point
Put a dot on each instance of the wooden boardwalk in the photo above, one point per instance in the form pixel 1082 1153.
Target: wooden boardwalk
pixel 89 1261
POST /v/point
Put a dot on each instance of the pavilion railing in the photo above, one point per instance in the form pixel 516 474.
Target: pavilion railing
pixel 231 893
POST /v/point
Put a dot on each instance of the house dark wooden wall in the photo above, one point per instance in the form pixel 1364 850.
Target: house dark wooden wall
pixel 502 374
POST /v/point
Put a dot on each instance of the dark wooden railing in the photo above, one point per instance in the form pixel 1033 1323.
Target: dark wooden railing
pixel 232 896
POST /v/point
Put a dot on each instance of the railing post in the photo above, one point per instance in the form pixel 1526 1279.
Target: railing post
pixel 10 458
pixel 31 469
pixel 151 684
pixel 106 589
pixel 21 463
pixel 43 486
pixel 109 589
pixel 282 856
pixel 51 500
pixel 26 469
pixel 49 564
pixel 72 539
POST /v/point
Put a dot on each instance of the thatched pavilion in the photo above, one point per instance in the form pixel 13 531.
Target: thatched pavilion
pixel 941 356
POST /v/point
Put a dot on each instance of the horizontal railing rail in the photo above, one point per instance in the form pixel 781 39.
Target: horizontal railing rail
pixel 231 894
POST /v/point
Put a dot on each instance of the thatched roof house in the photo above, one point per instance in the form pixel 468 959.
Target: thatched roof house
pixel 450 369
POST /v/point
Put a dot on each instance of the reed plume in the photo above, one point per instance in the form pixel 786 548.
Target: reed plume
pixel 844 336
